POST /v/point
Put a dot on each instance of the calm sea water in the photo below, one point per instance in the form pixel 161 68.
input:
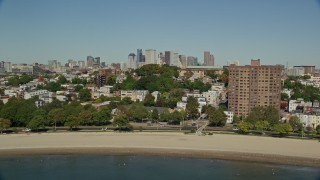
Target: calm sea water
pixel 144 168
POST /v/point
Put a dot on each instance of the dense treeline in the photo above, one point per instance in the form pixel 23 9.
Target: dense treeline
pixel 154 77
pixel 19 80
pixel 267 119
pixel 24 113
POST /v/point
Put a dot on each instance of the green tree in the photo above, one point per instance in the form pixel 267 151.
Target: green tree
pixel 13 81
pixel 217 117
pixel 138 112
pixel 192 107
pixel 199 85
pixel 78 81
pixel 4 124
pixel 245 127
pixel 57 117
pixel 102 117
pixel 25 112
pixel 148 69
pixel 78 88
pixel 122 123
pixel 149 100
pixel 147 83
pixel 171 103
pixel 169 71
pixel 24 79
pixel 223 107
pixel 165 84
pixel 295 123
pixel 305 77
pixel 288 84
pixel 73 108
pixel 128 84
pixel 224 77
pixel 318 129
pixel 1 105
pixel 113 105
pixel 62 80
pixel 165 116
pixel 284 97
pixel 41 112
pixel 85 95
pixel 260 113
pixel 261 126
pixel 176 118
pixel 16 80
pixel 176 93
pixel 155 114
pixel 283 129
pixel 236 119
pixel 36 123
pixel 53 105
pixel 211 73
pixel 112 80
pixel 9 110
pixel 86 117
pixel 73 121
pixel 53 86
pixel 126 101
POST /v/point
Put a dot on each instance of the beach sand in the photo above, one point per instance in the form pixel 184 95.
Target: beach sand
pixel 217 146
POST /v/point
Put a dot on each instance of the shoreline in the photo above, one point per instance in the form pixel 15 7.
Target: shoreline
pixel 221 147
pixel 183 153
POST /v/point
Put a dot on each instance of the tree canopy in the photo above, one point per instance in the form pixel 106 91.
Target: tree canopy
pixel 216 116
pixel 16 80
pixel 122 123
pixel 4 124
pixel 269 114
pixel 192 107
pixel 85 95
pixel 138 112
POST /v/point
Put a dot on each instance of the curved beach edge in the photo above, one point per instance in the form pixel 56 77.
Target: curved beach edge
pixel 183 153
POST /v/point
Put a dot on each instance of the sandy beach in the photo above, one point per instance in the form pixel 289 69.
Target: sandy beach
pixel 218 146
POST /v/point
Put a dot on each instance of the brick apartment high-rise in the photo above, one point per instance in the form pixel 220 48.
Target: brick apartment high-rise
pixel 253 85
pixel 103 75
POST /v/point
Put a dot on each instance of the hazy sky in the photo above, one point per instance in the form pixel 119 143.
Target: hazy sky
pixel 276 31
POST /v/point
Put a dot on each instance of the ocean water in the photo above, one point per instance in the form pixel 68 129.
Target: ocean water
pixel 144 168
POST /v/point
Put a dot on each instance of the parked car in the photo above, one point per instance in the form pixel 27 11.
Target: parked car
pixel 26 130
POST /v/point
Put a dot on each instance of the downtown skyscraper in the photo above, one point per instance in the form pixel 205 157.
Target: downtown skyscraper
pixel 151 56
pixel 208 58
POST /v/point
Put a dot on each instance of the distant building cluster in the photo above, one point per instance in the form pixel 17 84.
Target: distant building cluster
pixel 170 58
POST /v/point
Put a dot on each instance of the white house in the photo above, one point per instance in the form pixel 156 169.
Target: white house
pixel 105 90
pixel 212 97
pixel 28 95
pixel 155 94
pixel 134 94
pixel 183 104
pixel 309 120
pixel 293 104
pixel 229 116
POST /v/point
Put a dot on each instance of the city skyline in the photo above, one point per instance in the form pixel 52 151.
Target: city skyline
pixel 275 32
